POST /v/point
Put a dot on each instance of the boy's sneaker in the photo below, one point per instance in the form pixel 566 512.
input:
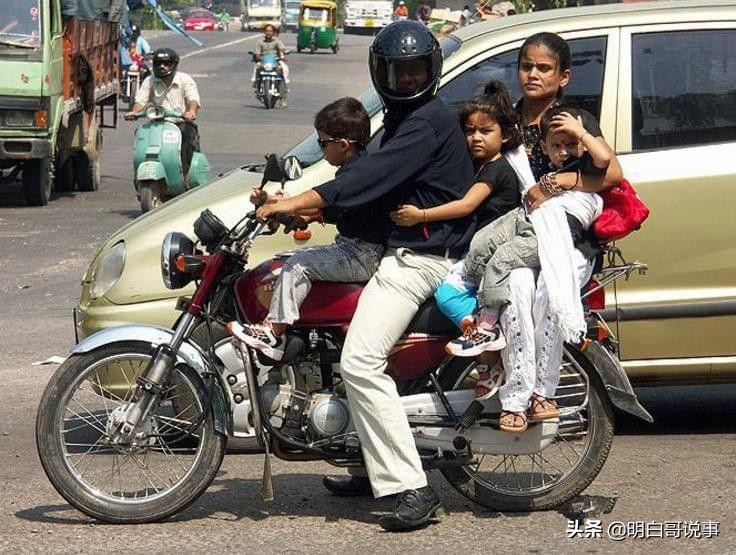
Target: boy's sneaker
pixel 475 341
pixel 260 337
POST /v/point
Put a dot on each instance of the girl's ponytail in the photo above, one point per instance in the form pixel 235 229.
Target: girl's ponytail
pixel 496 103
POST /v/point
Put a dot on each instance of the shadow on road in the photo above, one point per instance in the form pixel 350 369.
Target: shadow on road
pixel 707 409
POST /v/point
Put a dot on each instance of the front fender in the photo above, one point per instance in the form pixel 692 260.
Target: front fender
pixel 189 354
pixel 615 380
pixel 150 171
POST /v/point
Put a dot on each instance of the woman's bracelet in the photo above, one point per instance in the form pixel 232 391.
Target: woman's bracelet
pixel 548 184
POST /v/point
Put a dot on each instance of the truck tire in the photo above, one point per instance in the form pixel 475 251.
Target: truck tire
pixel 37 181
pixel 86 172
pixel 64 176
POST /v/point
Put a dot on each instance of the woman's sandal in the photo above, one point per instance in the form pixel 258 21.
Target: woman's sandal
pixel 543 409
pixel 509 422
pixel 488 384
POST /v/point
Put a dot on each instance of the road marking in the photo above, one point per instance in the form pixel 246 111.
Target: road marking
pixel 198 52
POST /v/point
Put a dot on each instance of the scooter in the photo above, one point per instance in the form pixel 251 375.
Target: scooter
pixel 157 159
pixel 133 426
pixel 270 85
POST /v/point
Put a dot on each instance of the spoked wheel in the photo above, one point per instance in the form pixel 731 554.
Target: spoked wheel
pixel 560 471
pixel 174 456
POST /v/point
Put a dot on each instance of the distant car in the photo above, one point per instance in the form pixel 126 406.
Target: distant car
pixel 200 20
pixel 660 78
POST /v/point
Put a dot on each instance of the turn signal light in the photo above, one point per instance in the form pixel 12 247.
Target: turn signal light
pixel 302 235
pixel 41 118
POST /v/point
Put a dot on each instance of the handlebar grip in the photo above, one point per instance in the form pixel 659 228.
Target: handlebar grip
pixel 283 218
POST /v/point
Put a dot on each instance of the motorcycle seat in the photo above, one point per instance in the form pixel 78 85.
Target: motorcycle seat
pixel 431 321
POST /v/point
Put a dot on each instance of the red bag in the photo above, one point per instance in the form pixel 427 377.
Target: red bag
pixel 623 212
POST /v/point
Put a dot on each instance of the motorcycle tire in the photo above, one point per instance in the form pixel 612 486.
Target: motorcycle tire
pixel 77 405
pixel 269 101
pixel 150 195
pixel 133 92
pixel 507 487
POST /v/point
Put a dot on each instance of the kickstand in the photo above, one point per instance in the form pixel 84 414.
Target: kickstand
pixel 267 481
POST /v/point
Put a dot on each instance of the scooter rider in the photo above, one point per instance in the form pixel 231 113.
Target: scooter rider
pixel 176 91
pixel 270 43
pixel 422 157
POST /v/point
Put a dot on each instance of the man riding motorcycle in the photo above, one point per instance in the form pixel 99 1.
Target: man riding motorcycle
pixel 175 91
pixel 422 158
pixel 270 43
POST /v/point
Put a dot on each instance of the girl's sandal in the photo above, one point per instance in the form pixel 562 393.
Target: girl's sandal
pixel 509 422
pixel 488 384
pixel 543 409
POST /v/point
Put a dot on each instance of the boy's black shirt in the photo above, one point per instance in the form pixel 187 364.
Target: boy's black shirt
pixel 362 222
pixel 423 160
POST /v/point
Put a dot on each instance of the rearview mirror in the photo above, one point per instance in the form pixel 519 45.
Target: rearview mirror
pixel 292 168
pixel 273 170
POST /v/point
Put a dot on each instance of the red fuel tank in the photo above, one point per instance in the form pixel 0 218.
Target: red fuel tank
pixel 328 304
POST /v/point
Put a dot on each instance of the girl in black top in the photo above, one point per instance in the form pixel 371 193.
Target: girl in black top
pixel 489 122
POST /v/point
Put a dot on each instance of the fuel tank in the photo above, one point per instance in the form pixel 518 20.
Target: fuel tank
pixel 328 304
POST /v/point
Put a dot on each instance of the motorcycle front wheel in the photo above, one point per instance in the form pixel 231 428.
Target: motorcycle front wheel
pixel 553 476
pixel 173 459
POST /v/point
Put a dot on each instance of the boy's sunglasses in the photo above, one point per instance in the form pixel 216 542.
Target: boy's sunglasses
pixel 324 142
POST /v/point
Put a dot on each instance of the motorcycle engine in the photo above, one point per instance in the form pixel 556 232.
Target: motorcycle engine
pixel 328 415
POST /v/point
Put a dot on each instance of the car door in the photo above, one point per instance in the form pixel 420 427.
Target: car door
pixel 676 141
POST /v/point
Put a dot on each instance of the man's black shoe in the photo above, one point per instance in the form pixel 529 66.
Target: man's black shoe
pixel 414 509
pixel 348 486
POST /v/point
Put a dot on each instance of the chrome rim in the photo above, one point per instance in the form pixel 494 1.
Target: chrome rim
pixel 536 474
pixel 168 445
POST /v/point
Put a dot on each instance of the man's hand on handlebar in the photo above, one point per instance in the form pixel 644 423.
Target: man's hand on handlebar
pixel 129 116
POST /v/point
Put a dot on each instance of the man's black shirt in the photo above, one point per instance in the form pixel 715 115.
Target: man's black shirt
pixel 424 161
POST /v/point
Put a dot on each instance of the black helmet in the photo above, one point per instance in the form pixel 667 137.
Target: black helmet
pixel 405 63
pixel 135 31
pixel 165 62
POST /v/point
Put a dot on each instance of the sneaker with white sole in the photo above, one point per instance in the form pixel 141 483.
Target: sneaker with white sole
pixel 475 341
pixel 260 337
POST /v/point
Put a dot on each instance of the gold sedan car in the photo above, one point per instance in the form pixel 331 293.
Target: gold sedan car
pixel 660 76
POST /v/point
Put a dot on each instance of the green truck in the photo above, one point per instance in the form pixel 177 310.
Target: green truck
pixel 58 89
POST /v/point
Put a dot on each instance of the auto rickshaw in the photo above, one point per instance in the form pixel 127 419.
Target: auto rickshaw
pixel 317 26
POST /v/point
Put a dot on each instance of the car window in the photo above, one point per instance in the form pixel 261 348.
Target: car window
pixel 584 90
pixel 683 89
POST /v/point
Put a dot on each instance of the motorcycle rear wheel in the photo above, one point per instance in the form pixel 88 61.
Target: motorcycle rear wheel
pixel 174 462
pixel 561 471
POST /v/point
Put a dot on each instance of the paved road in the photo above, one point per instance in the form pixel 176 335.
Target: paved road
pixel 681 469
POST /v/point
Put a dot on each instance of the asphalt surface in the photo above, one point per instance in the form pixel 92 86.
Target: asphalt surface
pixel 681 469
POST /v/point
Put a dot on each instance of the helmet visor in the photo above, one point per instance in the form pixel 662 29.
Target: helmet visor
pixel 403 77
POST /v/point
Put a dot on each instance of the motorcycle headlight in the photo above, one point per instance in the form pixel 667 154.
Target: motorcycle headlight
pixel 174 245
pixel 108 271
pixel 268 66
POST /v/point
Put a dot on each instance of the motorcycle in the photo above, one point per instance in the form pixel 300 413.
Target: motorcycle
pixel 223 23
pixel 157 159
pixel 130 82
pixel 269 85
pixel 133 426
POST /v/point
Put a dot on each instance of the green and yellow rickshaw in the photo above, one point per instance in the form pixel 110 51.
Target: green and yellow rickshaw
pixel 317 26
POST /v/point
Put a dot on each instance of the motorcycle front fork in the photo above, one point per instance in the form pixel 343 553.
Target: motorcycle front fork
pixel 152 380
